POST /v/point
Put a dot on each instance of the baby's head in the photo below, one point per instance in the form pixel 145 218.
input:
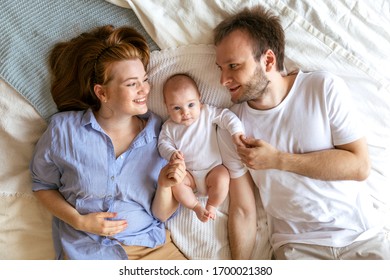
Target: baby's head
pixel 182 98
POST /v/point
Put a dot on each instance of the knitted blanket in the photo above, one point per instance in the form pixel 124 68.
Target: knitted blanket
pixel 29 29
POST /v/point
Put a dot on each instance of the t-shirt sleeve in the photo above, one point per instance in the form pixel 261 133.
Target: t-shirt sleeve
pixel 342 114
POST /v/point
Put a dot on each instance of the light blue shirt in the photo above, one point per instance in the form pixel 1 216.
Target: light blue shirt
pixel 76 157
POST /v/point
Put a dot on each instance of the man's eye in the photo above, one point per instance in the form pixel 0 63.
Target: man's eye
pixel 232 66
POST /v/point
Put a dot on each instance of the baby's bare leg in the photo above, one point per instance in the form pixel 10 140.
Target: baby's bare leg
pixel 217 182
pixel 184 194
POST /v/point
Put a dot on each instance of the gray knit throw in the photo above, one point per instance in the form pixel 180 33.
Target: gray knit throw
pixel 30 28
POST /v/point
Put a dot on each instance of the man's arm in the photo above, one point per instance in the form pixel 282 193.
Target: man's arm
pixel 242 217
pixel 345 162
pixel 242 220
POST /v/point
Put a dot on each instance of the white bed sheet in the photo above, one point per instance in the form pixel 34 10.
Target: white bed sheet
pixel 350 38
pixel 25 226
pixel 347 37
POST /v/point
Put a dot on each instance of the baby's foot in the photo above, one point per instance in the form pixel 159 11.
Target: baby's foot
pixel 212 211
pixel 202 214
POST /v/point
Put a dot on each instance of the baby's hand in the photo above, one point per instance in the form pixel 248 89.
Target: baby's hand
pixel 177 155
pixel 237 139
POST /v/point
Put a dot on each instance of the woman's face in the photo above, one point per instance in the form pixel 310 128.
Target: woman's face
pixel 127 88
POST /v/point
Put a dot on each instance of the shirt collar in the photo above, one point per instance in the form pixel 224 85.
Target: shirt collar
pixel 149 133
pixel 151 129
pixel 89 119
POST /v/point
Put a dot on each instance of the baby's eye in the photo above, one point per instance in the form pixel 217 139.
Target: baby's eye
pixel 176 108
pixel 191 105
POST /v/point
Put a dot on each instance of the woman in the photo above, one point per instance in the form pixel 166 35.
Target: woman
pixel 97 168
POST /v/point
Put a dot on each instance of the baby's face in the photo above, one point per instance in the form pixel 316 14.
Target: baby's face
pixel 183 105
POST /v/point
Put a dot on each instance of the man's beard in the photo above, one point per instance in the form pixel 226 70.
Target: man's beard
pixel 255 88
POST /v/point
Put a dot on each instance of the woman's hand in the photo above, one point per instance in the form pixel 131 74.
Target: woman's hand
pixel 173 173
pixel 99 223
pixel 164 203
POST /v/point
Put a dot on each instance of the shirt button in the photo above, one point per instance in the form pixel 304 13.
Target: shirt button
pixel 112 178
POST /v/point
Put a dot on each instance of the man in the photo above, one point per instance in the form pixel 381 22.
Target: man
pixel 304 150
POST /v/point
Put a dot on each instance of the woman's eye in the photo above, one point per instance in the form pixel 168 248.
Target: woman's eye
pixel 132 84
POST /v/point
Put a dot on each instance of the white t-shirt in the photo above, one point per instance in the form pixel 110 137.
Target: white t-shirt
pixel 315 115
pixel 198 142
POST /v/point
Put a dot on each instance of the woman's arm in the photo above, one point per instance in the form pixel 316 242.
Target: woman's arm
pixel 164 203
pixel 96 223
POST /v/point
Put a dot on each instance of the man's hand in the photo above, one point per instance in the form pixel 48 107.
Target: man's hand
pixel 258 154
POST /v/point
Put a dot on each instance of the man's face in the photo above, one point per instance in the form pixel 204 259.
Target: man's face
pixel 241 74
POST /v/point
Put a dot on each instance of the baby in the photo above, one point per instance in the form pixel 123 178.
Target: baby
pixel 190 133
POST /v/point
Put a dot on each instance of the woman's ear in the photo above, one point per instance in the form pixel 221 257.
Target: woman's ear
pixel 100 93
